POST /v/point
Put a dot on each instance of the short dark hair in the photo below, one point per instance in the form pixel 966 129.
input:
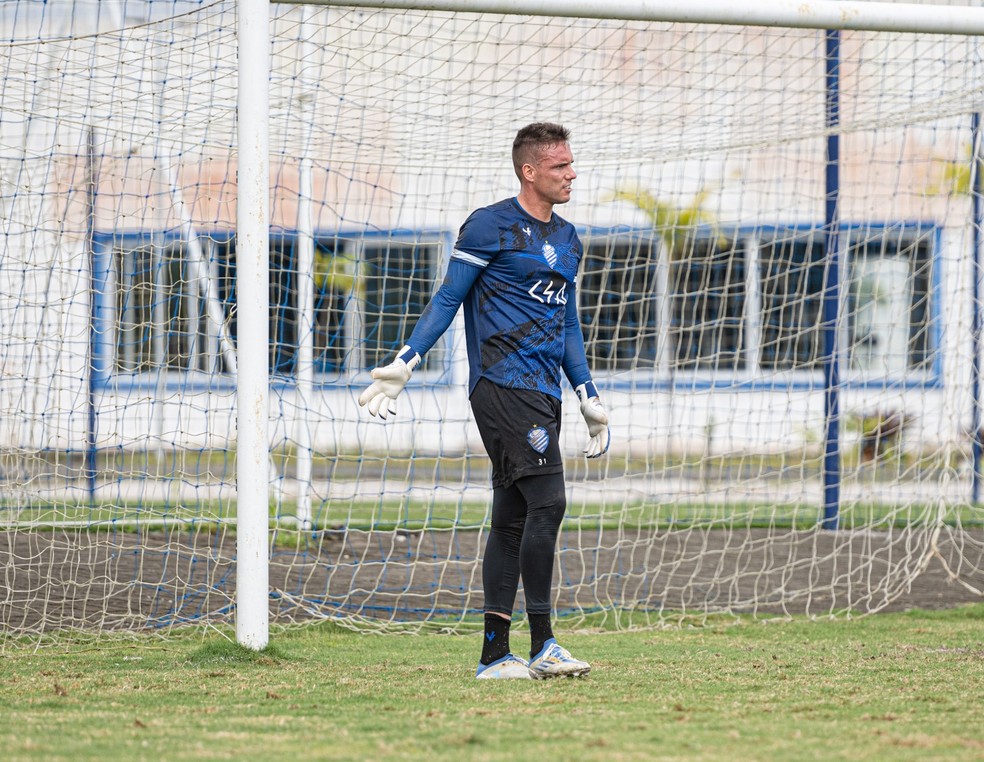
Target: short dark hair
pixel 532 139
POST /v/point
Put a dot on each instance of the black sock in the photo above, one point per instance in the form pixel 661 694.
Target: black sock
pixel 495 645
pixel 540 632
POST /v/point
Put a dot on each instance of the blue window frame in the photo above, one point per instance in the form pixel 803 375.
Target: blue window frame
pixel 744 305
pixel 167 304
pixel 741 306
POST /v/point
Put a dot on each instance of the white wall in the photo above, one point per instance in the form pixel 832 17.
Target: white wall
pixel 417 135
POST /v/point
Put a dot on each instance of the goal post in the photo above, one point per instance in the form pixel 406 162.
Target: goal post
pixel 821 15
pixel 762 202
pixel 253 296
pixel 918 18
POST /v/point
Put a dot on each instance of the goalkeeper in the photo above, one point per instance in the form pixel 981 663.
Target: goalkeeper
pixel 514 269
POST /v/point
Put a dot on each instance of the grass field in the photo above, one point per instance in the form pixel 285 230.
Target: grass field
pixel 893 686
pixel 410 515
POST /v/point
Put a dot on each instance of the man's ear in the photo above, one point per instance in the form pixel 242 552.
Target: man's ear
pixel 528 172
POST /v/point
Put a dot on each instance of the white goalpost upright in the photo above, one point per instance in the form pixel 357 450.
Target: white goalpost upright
pixel 253 295
pixel 218 217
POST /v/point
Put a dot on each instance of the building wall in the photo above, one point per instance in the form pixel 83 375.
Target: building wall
pixel 407 120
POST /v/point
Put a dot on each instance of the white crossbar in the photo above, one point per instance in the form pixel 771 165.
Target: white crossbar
pixel 804 14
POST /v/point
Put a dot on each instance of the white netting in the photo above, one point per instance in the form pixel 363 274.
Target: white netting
pixel 701 153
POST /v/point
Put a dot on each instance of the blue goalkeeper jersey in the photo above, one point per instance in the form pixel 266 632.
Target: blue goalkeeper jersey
pixel 516 278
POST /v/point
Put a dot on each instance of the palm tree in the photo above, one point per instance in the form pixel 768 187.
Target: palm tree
pixel 675 224
pixel 954 176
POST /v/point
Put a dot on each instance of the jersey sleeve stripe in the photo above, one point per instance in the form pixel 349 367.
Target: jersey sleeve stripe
pixel 470 259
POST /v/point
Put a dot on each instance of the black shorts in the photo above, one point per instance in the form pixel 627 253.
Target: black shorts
pixel 520 430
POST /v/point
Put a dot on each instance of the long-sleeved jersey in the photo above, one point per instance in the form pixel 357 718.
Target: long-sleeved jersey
pixel 516 277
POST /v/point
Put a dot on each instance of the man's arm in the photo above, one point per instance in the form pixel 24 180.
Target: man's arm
pixel 388 381
pixel 579 374
pixel 575 359
pixel 439 313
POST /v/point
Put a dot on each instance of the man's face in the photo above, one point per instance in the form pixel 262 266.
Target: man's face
pixel 553 174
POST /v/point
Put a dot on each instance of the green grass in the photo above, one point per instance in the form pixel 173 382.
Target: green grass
pixel 887 687
pixel 212 466
pixel 411 515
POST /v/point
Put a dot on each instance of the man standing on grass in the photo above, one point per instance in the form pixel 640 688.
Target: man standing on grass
pixel 514 268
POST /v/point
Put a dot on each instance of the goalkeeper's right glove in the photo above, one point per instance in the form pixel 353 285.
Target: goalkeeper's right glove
pixel 388 382
pixel 596 418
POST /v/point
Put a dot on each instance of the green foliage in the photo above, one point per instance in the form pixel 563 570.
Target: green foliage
pixel 894 686
pixel 953 177
pixel 338 272
pixel 675 224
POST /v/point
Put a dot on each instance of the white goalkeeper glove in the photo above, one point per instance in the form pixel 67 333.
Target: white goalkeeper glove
pixel 596 418
pixel 388 382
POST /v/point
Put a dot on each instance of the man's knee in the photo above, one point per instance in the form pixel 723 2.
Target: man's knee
pixel 546 499
pixel 547 491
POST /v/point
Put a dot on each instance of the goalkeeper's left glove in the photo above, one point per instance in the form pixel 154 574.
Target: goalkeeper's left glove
pixel 596 418
pixel 387 383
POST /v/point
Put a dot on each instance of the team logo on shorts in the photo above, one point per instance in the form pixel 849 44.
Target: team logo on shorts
pixel 538 439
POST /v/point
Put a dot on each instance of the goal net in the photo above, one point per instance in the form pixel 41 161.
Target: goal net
pixel 780 297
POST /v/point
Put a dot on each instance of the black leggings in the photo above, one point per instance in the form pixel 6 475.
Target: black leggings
pixel 526 519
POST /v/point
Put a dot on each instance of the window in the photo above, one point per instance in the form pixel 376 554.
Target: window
pixel 707 296
pixel 888 307
pixel 174 302
pixel 167 307
pixel 334 278
pixel 886 278
pixel 751 302
pixel 619 304
pixel 748 302
pixel 791 273
pixel 632 306
pixel 399 280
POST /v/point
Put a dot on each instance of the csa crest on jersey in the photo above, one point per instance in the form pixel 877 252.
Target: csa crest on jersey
pixel 538 439
pixel 549 254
